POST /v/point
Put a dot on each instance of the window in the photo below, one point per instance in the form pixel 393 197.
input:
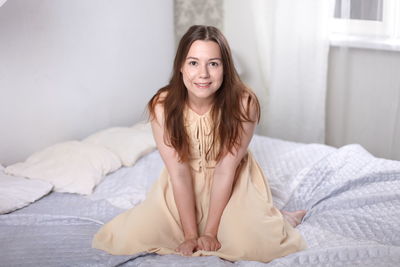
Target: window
pixel 359 9
pixel 367 18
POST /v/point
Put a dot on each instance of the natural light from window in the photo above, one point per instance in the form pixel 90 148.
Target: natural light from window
pixel 367 23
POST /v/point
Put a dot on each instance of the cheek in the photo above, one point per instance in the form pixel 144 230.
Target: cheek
pixel 186 77
pixel 187 74
pixel 219 76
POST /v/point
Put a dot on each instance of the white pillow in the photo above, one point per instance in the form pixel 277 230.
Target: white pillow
pixel 129 143
pixel 18 192
pixel 72 167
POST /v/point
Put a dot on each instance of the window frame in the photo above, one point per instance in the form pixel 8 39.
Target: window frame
pixel 389 27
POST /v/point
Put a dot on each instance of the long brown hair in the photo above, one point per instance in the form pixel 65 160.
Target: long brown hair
pixel 228 111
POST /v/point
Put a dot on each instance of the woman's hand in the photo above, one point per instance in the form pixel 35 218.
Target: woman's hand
pixel 187 247
pixel 208 242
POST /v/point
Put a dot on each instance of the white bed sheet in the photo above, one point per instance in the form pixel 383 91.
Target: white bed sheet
pixel 352 201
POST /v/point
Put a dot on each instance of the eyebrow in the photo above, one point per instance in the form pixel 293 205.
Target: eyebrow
pixel 214 58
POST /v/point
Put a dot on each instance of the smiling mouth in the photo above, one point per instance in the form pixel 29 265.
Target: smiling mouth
pixel 203 85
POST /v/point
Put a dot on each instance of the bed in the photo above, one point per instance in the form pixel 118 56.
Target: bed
pixel 352 199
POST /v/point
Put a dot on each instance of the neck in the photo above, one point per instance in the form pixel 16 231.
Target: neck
pixel 200 107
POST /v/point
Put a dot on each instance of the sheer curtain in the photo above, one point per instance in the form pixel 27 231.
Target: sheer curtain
pixel 330 71
pixel 292 46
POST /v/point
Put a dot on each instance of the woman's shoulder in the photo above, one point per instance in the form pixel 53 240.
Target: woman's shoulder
pixel 156 105
pixel 248 98
pixel 250 104
pixel 162 95
pixel 160 100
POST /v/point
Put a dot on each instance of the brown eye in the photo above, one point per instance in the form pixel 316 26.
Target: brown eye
pixel 192 63
pixel 214 64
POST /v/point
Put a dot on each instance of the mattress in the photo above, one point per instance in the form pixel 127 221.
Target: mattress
pixel 352 199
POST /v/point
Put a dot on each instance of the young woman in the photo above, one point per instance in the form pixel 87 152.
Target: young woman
pixel 212 198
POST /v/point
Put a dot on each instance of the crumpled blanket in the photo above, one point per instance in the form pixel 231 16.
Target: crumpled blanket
pixel 352 198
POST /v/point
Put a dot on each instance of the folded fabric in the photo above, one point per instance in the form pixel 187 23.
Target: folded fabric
pixel 72 167
pixel 18 192
pixel 128 143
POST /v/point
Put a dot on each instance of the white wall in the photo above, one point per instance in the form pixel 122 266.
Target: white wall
pixel 69 68
pixel 363 103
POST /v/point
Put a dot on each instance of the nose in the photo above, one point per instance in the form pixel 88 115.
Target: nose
pixel 204 73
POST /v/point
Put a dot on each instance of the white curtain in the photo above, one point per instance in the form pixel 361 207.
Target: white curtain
pixel 292 46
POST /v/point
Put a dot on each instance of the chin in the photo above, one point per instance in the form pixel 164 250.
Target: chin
pixel 205 94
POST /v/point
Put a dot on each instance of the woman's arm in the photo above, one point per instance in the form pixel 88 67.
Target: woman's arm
pixel 181 183
pixel 224 176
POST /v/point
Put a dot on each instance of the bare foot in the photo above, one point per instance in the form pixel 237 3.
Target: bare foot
pixel 294 217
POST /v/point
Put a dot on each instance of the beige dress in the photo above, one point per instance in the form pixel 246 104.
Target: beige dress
pixel 250 227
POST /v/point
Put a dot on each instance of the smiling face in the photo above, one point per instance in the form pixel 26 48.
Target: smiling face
pixel 202 71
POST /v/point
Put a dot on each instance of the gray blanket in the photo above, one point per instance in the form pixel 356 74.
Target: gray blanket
pixel 352 198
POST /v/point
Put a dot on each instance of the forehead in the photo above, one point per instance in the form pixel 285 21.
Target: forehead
pixel 204 49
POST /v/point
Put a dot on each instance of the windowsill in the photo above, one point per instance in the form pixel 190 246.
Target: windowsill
pixel 366 42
